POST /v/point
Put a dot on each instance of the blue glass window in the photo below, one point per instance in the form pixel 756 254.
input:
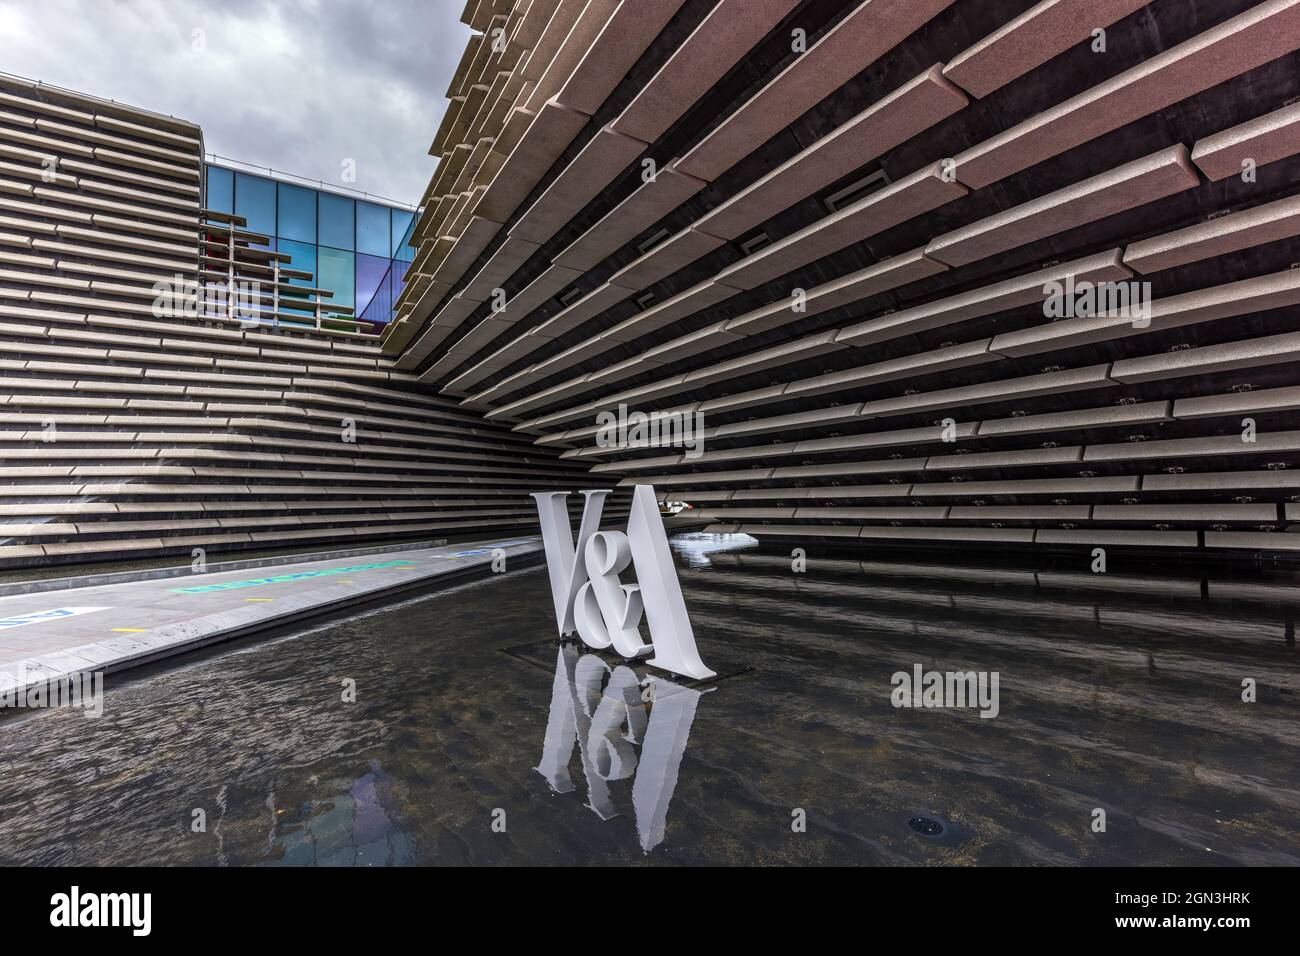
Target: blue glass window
pixel 371 271
pixel 373 230
pixel 255 201
pixel 221 190
pixel 353 248
pixel 337 221
pixel 401 222
pixel 337 272
pixel 297 213
pixel 304 259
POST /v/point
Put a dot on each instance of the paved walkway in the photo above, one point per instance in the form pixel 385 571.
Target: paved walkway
pixel 110 627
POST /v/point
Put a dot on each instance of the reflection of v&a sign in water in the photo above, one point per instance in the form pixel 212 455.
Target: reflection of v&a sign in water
pixel 589 595
pixel 603 711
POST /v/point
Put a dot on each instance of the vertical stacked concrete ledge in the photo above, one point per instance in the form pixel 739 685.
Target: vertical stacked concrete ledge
pixel 833 229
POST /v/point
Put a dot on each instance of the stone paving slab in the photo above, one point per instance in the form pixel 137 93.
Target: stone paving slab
pixel 110 627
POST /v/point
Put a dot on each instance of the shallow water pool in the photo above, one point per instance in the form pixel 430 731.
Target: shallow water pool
pixel 476 738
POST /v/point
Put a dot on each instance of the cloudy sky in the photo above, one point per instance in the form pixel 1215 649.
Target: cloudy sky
pixel 298 85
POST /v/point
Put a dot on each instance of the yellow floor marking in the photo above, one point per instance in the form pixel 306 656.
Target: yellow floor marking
pixel 259 599
pixel 130 630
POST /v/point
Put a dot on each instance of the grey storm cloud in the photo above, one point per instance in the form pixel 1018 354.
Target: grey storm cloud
pixel 301 86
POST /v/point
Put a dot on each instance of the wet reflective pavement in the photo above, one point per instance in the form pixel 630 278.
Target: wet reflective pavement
pixel 1119 693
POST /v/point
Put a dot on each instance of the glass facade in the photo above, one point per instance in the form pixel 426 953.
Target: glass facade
pixel 354 247
pixel 389 284
pixel 373 236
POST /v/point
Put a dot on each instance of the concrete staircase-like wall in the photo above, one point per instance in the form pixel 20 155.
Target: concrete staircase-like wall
pixel 132 425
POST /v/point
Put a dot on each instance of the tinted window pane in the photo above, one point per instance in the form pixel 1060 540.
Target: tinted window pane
pixel 221 190
pixel 401 221
pixel 337 221
pixel 373 236
pixel 297 213
pixel 370 274
pixel 304 258
pixel 337 273
pixel 255 201
pixel 395 284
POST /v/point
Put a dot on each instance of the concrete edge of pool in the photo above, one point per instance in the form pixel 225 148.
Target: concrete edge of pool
pixel 154 619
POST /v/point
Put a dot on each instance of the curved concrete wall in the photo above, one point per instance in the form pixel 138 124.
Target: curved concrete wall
pixel 841 241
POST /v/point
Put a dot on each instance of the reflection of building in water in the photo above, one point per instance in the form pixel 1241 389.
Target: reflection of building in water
pixel 611 714
pixel 352 830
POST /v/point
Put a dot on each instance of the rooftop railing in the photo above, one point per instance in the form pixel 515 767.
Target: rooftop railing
pixel 281 175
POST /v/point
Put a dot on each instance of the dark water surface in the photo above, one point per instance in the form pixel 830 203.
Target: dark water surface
pixel 1116 693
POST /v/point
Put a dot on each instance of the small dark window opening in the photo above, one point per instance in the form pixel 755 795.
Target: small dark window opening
pixel 856 190
pixel 653 241
pixel 755 242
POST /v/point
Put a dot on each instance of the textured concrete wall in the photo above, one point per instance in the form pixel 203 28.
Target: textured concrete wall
pixel 843 258
pixel 127 429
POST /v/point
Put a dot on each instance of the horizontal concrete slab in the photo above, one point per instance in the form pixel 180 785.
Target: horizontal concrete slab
pixel 869 32
pixel 1031 39
pixel 548 135
pixel 713 48
pixel 1051 422
pixel 1032 486
pixel 814 418
pixel 597 164
pixel 1134 539
pixel 1266 350
pixel 902 200
pixel 686 303
pixel 650 203
pixel 1269 222
pixel 509 256
pixel 1235 403
pixel 1019 458
pixel 914 107
pixel 1045 383
pixel 1194 447
pixel 1254 541
pixel 1187 512
pixel 1126 187
pixel 987 300
pixel 962 355
pixel 1250 145
pixel 612 52
pixel 1262 33
pixel 1219 481
pixel 1203 305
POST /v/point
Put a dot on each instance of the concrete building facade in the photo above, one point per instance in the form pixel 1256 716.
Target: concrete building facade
pixel 168 383
pixel 911 272
pixel 1000 274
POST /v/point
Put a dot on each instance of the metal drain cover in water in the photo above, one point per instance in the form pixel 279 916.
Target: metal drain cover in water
pixel 928 826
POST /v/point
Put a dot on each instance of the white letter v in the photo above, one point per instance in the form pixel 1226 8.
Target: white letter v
pixel 567 570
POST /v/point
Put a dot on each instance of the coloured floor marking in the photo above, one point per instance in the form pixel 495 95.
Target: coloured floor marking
pixel 54 614
pixel 298 576
pixel 477 551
